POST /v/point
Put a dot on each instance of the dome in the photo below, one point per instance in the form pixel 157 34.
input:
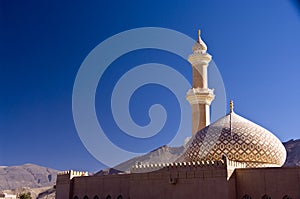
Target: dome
pixel 239 139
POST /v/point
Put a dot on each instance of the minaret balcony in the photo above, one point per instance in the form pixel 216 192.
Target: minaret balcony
pixel 199 59
pixel 200 96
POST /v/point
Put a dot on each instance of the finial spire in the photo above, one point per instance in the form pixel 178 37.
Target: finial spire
pixel 231 106
pixel 200 45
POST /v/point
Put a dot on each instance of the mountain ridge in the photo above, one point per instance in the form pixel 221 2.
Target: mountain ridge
pixel 26 175
pixel 293 152
pixel 35 176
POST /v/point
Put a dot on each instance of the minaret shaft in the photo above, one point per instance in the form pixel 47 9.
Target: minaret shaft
pixel 200 117
pixel 200 96
pixel 199 77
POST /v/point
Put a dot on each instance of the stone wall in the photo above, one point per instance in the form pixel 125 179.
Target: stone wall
pixel 222 179
pixel 274 182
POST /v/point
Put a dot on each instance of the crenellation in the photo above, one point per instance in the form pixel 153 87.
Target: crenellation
pixel 70 174
pixel 177 165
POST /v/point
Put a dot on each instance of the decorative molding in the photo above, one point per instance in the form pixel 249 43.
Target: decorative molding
pixel 199 59
pixel 200 96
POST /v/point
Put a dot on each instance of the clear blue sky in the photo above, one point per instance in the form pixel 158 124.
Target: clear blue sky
pixel 255 44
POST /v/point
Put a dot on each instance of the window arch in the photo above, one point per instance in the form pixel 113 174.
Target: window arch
pixel 246 196
pixel 96 197
pixel 76 197
pixel 85 197
pixel 120 197
pixel 108 197
pixel 287 197
pixel 266 197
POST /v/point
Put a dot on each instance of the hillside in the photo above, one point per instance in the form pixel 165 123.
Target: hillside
pixel 161 154
pixel 293 151
pixel 27 175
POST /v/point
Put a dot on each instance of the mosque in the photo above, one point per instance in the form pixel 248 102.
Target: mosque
pixel 232 158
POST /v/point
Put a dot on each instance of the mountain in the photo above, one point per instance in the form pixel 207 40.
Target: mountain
pixel 27 175
pixel 161 154
pixel 169 154
pixel 293 152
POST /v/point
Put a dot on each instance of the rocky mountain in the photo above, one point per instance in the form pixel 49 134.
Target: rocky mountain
pixel 161 154
pixel 293 152
pixel 169 154
pixel 27 175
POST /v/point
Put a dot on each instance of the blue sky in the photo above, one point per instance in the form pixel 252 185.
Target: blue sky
pixel 255 45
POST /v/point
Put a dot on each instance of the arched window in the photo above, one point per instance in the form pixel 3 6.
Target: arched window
pixel 246 196
pixel 85 197
pixel 266 197
pixel 96 197
pixel 287 197
pixel 120 197
pixel 108 197
pixel 75 197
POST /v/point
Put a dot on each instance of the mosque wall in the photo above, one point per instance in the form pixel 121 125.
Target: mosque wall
pixel 202 181
pixel 273 182
pixel 185 181
pixel 110 186
pixel 63 186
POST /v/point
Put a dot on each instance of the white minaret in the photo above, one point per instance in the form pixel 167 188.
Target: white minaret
pixel 200 96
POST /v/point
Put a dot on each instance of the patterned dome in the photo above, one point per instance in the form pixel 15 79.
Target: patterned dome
pixel 240 140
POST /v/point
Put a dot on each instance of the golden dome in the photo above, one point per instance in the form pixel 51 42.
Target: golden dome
pixel 239 139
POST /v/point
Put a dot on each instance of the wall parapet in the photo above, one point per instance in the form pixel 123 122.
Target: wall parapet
pixel 72 173
pixel 141 168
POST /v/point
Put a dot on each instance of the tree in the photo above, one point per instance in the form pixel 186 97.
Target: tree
pixel 25 196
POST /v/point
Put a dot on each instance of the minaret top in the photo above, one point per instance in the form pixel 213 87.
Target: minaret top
pixel 231 106
pixel 200 46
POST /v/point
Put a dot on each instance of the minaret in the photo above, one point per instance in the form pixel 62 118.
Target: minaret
pixel 200 96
